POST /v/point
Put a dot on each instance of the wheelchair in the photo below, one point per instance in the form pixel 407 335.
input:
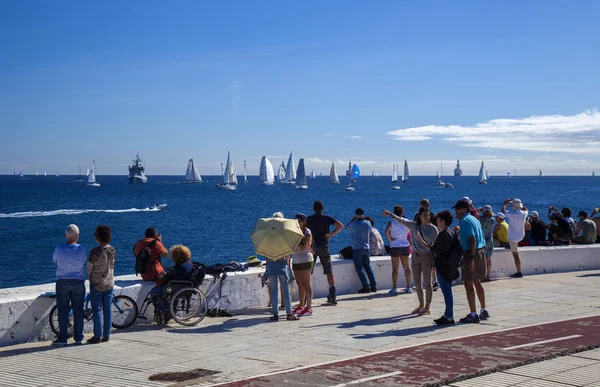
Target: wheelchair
pixel 187 305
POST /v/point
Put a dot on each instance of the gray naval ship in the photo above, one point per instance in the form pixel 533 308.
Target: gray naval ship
pixel 136 172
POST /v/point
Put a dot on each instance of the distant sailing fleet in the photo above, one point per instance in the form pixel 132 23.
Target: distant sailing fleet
pixel 286 174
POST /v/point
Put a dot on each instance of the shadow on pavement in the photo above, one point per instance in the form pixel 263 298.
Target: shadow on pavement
pixel 228 325
pixel 401 332
pixel 589 275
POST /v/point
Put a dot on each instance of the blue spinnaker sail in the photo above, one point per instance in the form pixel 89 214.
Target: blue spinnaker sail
pixel 355 171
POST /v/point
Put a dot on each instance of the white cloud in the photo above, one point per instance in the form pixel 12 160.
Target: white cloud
pixel 579 133
pixel 355 137
pixel 316 160
pixel 328 134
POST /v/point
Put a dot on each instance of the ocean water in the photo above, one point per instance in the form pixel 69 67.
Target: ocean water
pixel 217 224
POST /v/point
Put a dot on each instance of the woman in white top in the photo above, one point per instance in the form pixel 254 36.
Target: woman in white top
pixel 397 234
pixel 302 264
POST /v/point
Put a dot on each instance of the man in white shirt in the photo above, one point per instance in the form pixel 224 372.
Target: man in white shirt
pixel 516 215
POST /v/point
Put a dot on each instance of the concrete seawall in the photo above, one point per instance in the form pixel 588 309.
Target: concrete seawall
pixel 24 314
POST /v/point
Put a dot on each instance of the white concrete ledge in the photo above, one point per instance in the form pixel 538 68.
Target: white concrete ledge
pixel 24 314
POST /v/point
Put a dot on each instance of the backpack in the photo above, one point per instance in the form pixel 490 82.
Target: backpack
pixel 197 274
pixel 456 258
pixel 346 252
pixel 142 259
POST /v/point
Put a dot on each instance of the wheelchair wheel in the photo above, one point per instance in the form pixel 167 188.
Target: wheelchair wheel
pixel 188 306
pixel 124 311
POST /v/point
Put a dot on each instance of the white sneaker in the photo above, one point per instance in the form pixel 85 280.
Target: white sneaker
pixel 393 291
pixel 408 290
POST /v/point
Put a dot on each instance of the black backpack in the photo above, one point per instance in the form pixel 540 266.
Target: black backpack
pixel 142 259
pixel 346 252
pixel 456 258
pixel 197 274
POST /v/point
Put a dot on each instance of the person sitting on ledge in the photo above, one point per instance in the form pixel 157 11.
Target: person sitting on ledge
pixel 500 231
pixel 559 230
pixel 595 217
pixel 585 231
pixel 157 251
pixel 538 230
pixel 375 239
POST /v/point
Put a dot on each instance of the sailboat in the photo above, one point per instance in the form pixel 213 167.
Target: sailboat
pixel 508 174
pixel 91 181
pixel 541 173
pixel 301 176
pixel 333 176
pixel 593 173
pixel 395 178
pixel 267 176
pixel 37 174
pixel 45 174
pixel 191 174
pixel 406 174
pixel 79 176
pixel 290 171
pixel 355 172
pixel 482 175
pixel 281 173
pixel 229 177
pixel 437 174
pixel 312 174
pixel 245 176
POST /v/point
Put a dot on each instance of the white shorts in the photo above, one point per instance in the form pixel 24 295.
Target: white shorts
pixel 514 246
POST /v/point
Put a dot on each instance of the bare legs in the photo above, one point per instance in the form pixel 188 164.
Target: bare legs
pixel 304 288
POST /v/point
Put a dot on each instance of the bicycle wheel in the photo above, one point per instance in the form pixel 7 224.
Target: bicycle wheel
pixel 124 311
pixel 53 319
pixel 188 306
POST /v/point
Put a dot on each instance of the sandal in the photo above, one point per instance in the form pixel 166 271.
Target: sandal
pixel 416 311
pixel 424 312
pixel 274 317
pixel 292 317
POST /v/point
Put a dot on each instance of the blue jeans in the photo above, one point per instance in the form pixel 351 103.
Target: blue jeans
pixel 362 261
pixel 287 297
pixel 447 292
pixel 70 293
pixel 101 303
pixel 158 298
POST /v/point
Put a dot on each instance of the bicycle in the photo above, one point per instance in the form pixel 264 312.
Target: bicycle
pixel 124 313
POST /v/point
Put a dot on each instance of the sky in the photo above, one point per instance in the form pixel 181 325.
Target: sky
pixel 514 83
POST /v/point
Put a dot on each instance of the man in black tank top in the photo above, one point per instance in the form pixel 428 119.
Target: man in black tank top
pixel 320 225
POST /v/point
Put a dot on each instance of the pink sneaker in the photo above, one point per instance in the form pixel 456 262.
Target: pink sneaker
pixel 305 312
pixel 297 309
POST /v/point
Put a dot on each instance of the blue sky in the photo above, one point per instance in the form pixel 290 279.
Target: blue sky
pixel 326 80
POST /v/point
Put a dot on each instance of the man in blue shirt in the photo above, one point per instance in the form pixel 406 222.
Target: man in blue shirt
pixel 70 288
pixel 360 228
pixel 472 241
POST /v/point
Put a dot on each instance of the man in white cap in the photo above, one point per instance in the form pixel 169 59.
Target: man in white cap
pixel 70 288
pixel 538 229
pixel 517 215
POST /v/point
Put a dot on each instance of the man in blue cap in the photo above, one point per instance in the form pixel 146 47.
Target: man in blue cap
pixel 472 241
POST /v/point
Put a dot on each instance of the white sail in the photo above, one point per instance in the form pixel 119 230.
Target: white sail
pixel 290 171
pixel 541 173
pixel 437 174
pixel 229 176
pixel 312 175
pixel 333 176
pixel 395 174
pixel 482 175
pixel 191 174
pixel 245 176
pixel 281 172
pixel 87 172
pixel 406 173
pixel 301 175
pixel 92 176
pixel 267 176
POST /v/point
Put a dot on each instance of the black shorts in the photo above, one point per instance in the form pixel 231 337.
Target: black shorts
pixel 323 254
pixel 399 251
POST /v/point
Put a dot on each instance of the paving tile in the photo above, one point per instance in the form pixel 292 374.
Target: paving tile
pixel 552 366
pixel 498 379
pixel 581 376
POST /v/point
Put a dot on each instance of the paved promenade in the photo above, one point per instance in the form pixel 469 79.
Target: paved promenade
pixel 364 340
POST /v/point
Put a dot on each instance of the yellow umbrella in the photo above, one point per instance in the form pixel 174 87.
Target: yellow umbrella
pixel 275 238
